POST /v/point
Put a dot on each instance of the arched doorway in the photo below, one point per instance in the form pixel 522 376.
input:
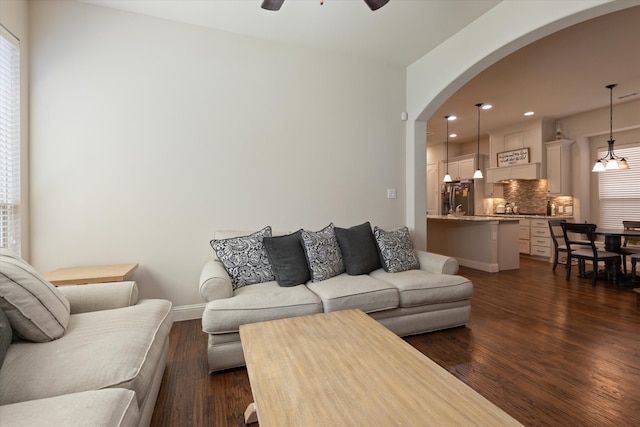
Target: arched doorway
pixel 436 76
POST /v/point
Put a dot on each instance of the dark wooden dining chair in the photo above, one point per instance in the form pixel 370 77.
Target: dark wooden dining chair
pixel 627 250
pixel 557 235
pixel 586 250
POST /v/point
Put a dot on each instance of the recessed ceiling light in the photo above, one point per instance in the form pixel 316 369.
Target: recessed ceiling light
pixel 487 107
pixel 453 135
pixel 452 118
pixel 529 113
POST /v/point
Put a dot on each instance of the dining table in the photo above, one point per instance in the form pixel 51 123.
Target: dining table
pixel 613 243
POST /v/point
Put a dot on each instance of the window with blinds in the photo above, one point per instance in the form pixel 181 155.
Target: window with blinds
pixel 619 190
pixel 9 141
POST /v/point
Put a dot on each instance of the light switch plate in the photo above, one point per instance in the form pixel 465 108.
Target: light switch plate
pixel 391 193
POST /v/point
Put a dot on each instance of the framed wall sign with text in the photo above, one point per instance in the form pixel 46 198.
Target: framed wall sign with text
pixel 513 157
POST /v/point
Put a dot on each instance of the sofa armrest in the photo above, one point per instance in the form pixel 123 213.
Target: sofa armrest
pixel 215 282
pixel 100 296
pixel 436 263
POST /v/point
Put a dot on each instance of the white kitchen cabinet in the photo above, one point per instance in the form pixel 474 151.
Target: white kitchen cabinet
pixel 529 135
pixel 559 167
pixel 461 168
pixel 466 168
pixel 433 189
pixel 524 236
pixel 540 240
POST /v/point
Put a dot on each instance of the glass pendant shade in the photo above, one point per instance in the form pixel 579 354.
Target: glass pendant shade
pixel 447 178
pixel 610 161
pixel 477 174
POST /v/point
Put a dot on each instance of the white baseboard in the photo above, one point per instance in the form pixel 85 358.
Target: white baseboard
pixel 482 266
pixel 188 312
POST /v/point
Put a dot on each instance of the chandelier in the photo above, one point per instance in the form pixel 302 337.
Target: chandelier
pixel 610 161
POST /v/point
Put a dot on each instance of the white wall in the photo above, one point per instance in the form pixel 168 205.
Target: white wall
pixel 148 135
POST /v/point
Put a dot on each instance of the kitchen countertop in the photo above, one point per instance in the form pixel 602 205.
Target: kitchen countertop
pixel 474 218
pixel 495 217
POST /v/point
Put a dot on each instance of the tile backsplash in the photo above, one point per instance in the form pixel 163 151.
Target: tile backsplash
pixel 530 196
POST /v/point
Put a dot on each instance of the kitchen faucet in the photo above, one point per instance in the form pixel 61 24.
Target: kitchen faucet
pixel 458 207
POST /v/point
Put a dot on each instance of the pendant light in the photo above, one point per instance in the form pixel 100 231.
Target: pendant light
pixel 447 177
pixel 610 161
pixel 478 173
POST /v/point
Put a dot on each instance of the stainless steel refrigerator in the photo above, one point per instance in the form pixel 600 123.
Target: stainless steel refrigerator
pixel 457 194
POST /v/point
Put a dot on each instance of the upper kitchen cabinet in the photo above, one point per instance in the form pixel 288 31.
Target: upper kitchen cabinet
pixel 461 168
pixel 559 167
pixel 520 150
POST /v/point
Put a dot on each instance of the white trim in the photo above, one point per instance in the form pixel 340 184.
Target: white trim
pixel 188 312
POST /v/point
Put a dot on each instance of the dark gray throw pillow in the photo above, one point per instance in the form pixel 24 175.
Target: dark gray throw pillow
pixel 359 250
pixel 287 259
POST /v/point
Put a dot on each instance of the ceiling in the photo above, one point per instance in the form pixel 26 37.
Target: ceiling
pixel 557 76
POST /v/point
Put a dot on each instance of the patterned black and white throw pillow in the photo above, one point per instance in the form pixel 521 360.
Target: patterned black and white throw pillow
pixel 396 250
pixel 323 253
pixel 245 258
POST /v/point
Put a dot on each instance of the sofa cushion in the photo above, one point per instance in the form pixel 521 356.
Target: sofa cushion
pixel 322 252
pixel 257 303
pixel 5 336
pixel 364 292
pixel 36 310
pixel 396 249
pixel 358 247
pixel 244 258
pixel 418 287
pixel 101 349
pixel 287 259
pixel 96 408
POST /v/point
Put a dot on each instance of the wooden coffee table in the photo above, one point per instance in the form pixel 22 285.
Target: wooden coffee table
pixel 346 369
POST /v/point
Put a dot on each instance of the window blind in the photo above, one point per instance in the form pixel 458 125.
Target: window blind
pixel 9 141
pixel 619 190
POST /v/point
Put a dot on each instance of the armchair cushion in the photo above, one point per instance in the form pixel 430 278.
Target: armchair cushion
pixel 100 296
pixel 36 310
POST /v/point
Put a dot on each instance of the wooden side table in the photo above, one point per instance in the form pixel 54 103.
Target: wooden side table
pixel 90 274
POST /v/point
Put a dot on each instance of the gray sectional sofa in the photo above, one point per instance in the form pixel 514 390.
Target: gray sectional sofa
pixel 427 297
pixel 87 355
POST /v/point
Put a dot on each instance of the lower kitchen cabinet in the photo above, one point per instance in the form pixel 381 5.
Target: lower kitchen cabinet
pixel 524 235
pixel 540 238
pixel 535 239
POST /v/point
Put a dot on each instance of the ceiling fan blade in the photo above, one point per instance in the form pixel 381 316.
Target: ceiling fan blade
pixel 376 4
pixel 273 4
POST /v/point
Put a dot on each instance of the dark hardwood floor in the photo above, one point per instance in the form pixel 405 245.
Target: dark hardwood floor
pixel 547 351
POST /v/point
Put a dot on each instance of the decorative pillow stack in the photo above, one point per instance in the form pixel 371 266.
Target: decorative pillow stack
pixel 298 257
pixel 244 258
pixel 396 250
pixel 36 310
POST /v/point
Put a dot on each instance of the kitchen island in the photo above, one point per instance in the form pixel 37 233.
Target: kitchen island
pixel 486 243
